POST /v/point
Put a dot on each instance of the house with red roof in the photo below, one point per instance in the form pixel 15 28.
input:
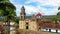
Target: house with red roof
pixel 49 27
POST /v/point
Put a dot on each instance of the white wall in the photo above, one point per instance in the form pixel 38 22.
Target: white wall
pixel 44 30
pixel 12 28
pixel 11 23
pixel 53 30
pixel 58 30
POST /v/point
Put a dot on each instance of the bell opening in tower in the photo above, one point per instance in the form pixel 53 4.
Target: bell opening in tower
pixel 26 27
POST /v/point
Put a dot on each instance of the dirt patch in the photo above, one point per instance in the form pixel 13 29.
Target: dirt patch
pixel 22 31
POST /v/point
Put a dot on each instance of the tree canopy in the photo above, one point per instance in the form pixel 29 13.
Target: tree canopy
pixel 7 11
pixel 59 8
pixel 58 15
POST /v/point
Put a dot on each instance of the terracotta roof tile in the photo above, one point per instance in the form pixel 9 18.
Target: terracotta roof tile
pixel 1 28
pixel 49 25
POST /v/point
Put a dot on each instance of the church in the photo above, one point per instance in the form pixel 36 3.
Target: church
pixel 28 23
pixel 35 23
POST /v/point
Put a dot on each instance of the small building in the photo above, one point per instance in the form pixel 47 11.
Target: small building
pixel 50 27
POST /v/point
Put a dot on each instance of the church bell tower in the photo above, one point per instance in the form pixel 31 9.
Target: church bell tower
pixel 22 18
pixel 22 14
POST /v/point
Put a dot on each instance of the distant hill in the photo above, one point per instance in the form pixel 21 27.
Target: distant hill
pixel 50 16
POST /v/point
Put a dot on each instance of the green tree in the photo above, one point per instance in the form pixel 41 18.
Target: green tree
pixel 17 20
pixel 58 14
pixel 7 11
pixel 59 8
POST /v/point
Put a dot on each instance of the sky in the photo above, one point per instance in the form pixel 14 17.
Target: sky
pixel 45 7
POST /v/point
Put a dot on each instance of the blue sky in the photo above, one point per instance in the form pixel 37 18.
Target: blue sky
pixel 45 7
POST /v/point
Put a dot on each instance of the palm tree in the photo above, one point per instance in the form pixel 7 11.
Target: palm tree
pixel 7 10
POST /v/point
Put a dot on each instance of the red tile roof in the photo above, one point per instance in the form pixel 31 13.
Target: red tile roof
pixel 1 28
pixel 48 25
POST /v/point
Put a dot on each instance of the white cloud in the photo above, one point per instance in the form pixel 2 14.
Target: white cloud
pixel 45 2
pixel 30 9
pixel 44 11
pixel 34 10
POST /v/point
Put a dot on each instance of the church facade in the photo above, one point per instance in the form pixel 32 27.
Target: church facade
pixel 27 23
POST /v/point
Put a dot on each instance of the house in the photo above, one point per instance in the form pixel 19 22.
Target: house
pixel 49 27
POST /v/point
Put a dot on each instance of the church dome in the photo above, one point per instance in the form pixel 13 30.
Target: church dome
pixel 39 14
